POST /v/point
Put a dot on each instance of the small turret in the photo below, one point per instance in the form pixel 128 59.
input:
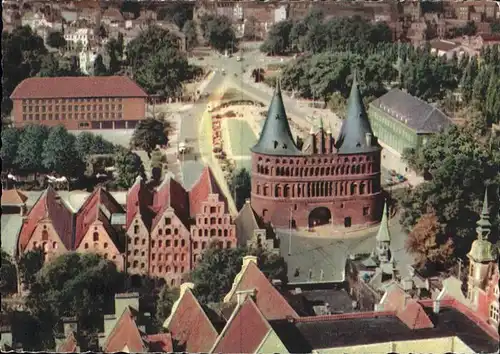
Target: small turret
pixel 482 249
pixel 383 238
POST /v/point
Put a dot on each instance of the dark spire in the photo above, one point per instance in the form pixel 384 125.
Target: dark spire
pixel 276 137
pixel 356 135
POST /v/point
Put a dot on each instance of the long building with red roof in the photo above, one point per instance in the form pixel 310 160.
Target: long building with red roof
pixel 96 102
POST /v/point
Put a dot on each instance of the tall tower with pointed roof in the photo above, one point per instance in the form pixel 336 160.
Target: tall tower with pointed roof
pixel 482 283
pixel 324 182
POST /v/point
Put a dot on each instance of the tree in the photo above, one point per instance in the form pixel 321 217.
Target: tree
pixel 191 34
pixel 114 47
pixel 219 33
pixel 55 39
pixel 213 276
pixel 178 14
pixel 8 275
pixel 30 264
pixel 29 153
pixel 278 38
pixel 162 73
pixel 59 153
pixel 459 166
pixel 427 243
pixel 164 303
pixel 128 167
pixel 87 144
pixel 99 67
pixel 148 134
pixel 240 186
pixel 22 53
pixel 74 284
pixel 492 104
pixel 10 143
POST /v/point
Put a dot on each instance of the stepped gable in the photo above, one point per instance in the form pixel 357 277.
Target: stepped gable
pixel 139 200
pixel 99 206
pixel 200 191
pixel 189 325
pixel 245 331
pixel 171 194
pixel 269 300
pixel 49 206
pixel 356 127
pixel 276 137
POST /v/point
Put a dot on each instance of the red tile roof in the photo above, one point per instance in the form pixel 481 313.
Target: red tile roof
pixel 171 194
pixel 205 185
pixel 414 316
pixel 49 206
pixel 98 206
pixel 190 326
pixel 161 342
pixel 69 345
pixel 133 196
pixel 125 333
pixel 76 87
pixel 13 197
pixel 269 300
pixel 245 331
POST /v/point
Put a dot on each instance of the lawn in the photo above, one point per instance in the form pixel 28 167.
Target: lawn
pixel 240 137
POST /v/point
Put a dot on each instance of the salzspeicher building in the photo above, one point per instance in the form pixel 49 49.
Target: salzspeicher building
pixel 326 181
pixel 107 102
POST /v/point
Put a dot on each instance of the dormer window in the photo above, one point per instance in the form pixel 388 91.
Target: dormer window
pixel 284 146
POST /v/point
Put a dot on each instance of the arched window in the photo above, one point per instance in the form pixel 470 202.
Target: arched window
pixel 45 235
pixel 362 188
pixel 228 244
pixel 135 264
pixel 200 232
pixel 195 245
pixel 219 232
pixel 176 231
pixel 160 232
pixel 212 232
pixel 353 188
pixel 54 245
pixel 225 233
pixel 286 191
pixel 258 188
pixel 86 246
pixel 136 241
pixel 266 190
pixel 203 245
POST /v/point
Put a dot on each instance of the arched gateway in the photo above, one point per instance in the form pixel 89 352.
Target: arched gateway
pixel 320 216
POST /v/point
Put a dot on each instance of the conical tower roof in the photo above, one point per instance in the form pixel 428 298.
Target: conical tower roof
pixel 484 224
pixel 383 234
pixel 352 138
pixel 276 137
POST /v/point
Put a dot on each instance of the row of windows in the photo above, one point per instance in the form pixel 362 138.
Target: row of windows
pixel 168 243
pixel 314 172
pixel 70 108
pixel 316 189
pixel 71 100
pixel 168 269
pixel 313 161
pixel 213 221
pixel 70 116
pixel 214 232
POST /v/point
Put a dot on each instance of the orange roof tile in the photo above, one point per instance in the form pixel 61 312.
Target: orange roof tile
pixel 269 300
pixel 13 197
pixel 48 206
pixel 171 194
pixel 245 331
pixel 205 185
pixel 190 326
pixel 81 86
pixel 414 316
pixel 161 342
pixel 98 206
pixel 125 334
pixel 69 345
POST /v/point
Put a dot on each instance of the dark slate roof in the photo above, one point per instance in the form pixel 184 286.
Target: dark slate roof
pixel 352 138
pixel 303 337
pixel 418 115
pixel 276 137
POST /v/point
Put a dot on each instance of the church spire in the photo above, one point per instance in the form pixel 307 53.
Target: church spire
pixel 484 225
pixel 383 234
pixel 356 133
pixel 276 137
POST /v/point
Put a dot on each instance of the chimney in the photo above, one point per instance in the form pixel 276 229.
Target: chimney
pixel 242 295
pixel 70 325
pixel 124 300
pixel 368 137
pixel 249 259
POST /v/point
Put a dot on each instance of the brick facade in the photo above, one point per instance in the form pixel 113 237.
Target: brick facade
pixel 213 224
pixel 81 107
pixel 348 186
